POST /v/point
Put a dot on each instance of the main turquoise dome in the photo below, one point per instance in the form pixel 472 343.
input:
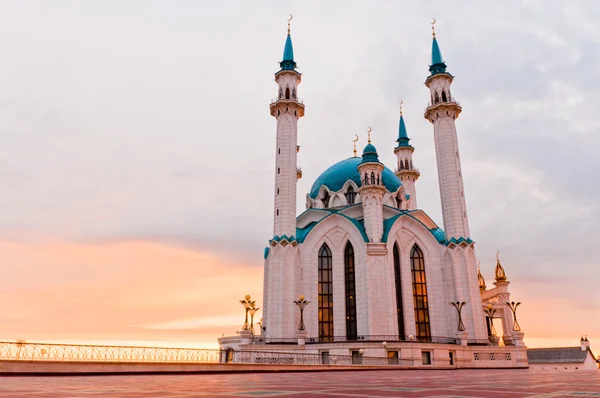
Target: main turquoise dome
pixel 336 176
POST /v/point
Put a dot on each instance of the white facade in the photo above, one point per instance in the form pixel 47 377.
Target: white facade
pixel 373 266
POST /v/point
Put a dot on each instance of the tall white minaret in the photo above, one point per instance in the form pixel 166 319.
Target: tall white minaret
pixel 372 191
pixel 287 110
pixel 405 170
pixel 441 112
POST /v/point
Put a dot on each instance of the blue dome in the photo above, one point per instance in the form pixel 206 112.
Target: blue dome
pixel 336 176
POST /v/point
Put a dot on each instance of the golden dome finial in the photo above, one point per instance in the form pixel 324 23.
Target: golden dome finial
pixel 401 102
pixel 354 141
pixel 500 274
pixel 432 27
pixel 289 21
pixel 480 277
pixel 369 135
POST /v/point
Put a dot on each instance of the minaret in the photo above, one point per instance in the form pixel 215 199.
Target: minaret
pixel 406 171
pixel 442 112
pixel 372 191
pixel 287 110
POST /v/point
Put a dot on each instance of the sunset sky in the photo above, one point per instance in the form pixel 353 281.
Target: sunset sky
pixel 137 152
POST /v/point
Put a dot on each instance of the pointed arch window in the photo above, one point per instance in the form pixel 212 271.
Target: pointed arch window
pixel 351 330
pixel 444 98
pixel 406 164
pixel 287 93
pixel 325 294
pixel 398 281
pixel 372 178
pixel 325 199
pixel 436 98
pixel 280 92
pixel 293 93
pixel 366 180
pixel 350 195
pixel 419 283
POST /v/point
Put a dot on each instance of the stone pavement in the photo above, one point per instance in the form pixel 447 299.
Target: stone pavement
pixel 387 383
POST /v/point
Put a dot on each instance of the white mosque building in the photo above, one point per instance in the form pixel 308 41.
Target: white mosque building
pixel 381 277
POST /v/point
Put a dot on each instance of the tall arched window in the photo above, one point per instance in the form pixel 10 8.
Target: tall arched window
pixel 406 163
pixel 287 93
pixel 398 280
pixel 444 98
pixel 366 181
pixel 436 98
pixel 350 195
pixel 351 332
pixel 417 266
pixel 373 178
pixel 280 93
pixel 325 294
pixel 293 93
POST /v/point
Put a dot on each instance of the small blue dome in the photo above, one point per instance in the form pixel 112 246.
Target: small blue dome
pixel 370 154
pixel 370 148
pixel 336 176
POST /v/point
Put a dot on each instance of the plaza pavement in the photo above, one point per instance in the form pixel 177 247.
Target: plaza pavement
pixel 388 383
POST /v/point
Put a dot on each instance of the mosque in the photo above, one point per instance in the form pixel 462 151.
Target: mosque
pixel 364 271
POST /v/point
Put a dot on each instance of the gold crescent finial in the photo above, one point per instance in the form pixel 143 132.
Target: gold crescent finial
pixel 401 102
pixel 369 134
pixel 289 20
pixel 432 28
pixel 354 141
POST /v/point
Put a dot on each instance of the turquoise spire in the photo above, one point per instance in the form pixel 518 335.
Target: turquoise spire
pixel 436 54
pixel 287 63
pixel 437 62
pixel 402 135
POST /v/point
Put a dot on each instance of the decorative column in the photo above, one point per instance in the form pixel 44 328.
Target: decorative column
pixel 406 171
pixel 442 111
pixel 372 191
pixel 287 109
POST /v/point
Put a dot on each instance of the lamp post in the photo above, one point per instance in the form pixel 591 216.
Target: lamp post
pixel 247 303
pixel 490 311
pixel 252 310
pixel 301 303
pixel 459 306
pixel 513 307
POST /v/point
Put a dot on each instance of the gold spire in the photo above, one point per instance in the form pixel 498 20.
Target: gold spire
pixel 289 20
pixel 432 28
pixel 480 278
pixel 369 135
pixel 401 102
pixel 500 274
pixel 354 141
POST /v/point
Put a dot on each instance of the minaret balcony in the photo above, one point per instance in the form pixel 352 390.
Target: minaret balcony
pixel 282 105
pixel 452 106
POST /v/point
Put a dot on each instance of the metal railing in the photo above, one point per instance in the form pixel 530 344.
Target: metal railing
pixel 298 100
pixel 101 353
pixel 383 338
pixel 450 100
pixel 21 351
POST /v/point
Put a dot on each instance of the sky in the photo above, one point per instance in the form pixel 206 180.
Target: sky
pixel 137 152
